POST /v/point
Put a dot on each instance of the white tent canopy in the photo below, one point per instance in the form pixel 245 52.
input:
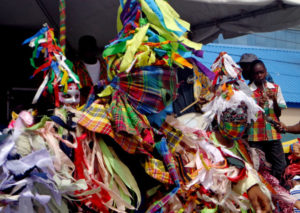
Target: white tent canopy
pixel 208 18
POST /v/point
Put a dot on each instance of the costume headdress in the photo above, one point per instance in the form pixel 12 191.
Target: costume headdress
pixel 151 40
pixel 230 93
pixel 56 68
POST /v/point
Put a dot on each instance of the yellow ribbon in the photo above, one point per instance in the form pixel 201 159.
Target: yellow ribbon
pixel 132 46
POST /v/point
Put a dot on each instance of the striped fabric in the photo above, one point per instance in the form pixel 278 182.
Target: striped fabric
pixel 295 192
pixel 184 174
pixel 287 145
pixel 173 135
pixel 149 89
pixel 62 25
pixel 261 130
pixel 84 77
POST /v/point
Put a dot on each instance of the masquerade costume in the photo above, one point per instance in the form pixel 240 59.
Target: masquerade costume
pixel 50 176
pixel 201 167
pixel 232 117
pixel 191 173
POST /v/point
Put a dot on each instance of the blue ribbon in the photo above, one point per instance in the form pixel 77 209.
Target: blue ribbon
pixel 42 31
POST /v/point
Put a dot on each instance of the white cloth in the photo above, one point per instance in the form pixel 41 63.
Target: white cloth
pixel 295 192
pixel 94 71
pixel 280 100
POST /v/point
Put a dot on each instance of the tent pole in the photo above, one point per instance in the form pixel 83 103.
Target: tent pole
pixel 62 25
pixel 47 14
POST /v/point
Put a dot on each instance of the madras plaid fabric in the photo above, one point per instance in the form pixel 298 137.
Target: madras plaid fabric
pixel 84 77
pixel 132 129
pixel 261 130
pixel 232 130
pixel 125 118
pixel 95 119
pixel 120 121
pixel 163 150
pixel 149 89
pixel 173 135
pixel 128 143
pixel 113 66
pixel 156 169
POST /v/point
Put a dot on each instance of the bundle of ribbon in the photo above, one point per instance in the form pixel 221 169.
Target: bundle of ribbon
pixel 57 69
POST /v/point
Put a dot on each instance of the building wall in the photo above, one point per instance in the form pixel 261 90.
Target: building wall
pixel 283 39
pixel 290 116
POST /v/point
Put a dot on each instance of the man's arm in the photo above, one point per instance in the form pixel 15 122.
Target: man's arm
pixel 258 194
pixel 295 129
pixel 259 200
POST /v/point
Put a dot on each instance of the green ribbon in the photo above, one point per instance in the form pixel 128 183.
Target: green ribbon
pixel 114 49
pixel 207 210
pixel 40 124
pixel 115 165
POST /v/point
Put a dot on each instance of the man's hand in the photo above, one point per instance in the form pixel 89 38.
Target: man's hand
pixel 262 100
pixel 281 127
pixel 259 201
pixel 296 150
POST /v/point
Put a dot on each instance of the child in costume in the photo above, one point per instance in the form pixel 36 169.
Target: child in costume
pixel 234 111
pixel 229 132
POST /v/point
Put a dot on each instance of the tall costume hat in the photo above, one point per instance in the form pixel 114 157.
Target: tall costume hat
pixel 57 69
pixel 142 61
pixel 230 91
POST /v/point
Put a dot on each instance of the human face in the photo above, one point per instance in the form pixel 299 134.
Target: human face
pixel 259 74
pixel 71 97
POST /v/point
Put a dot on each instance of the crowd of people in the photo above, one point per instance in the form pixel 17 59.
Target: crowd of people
pixel 114 143
pixel 265 133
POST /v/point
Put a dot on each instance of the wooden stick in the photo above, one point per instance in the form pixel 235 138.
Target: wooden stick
pixel 189 106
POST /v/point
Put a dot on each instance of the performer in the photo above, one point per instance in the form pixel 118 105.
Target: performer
pixel 234 109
